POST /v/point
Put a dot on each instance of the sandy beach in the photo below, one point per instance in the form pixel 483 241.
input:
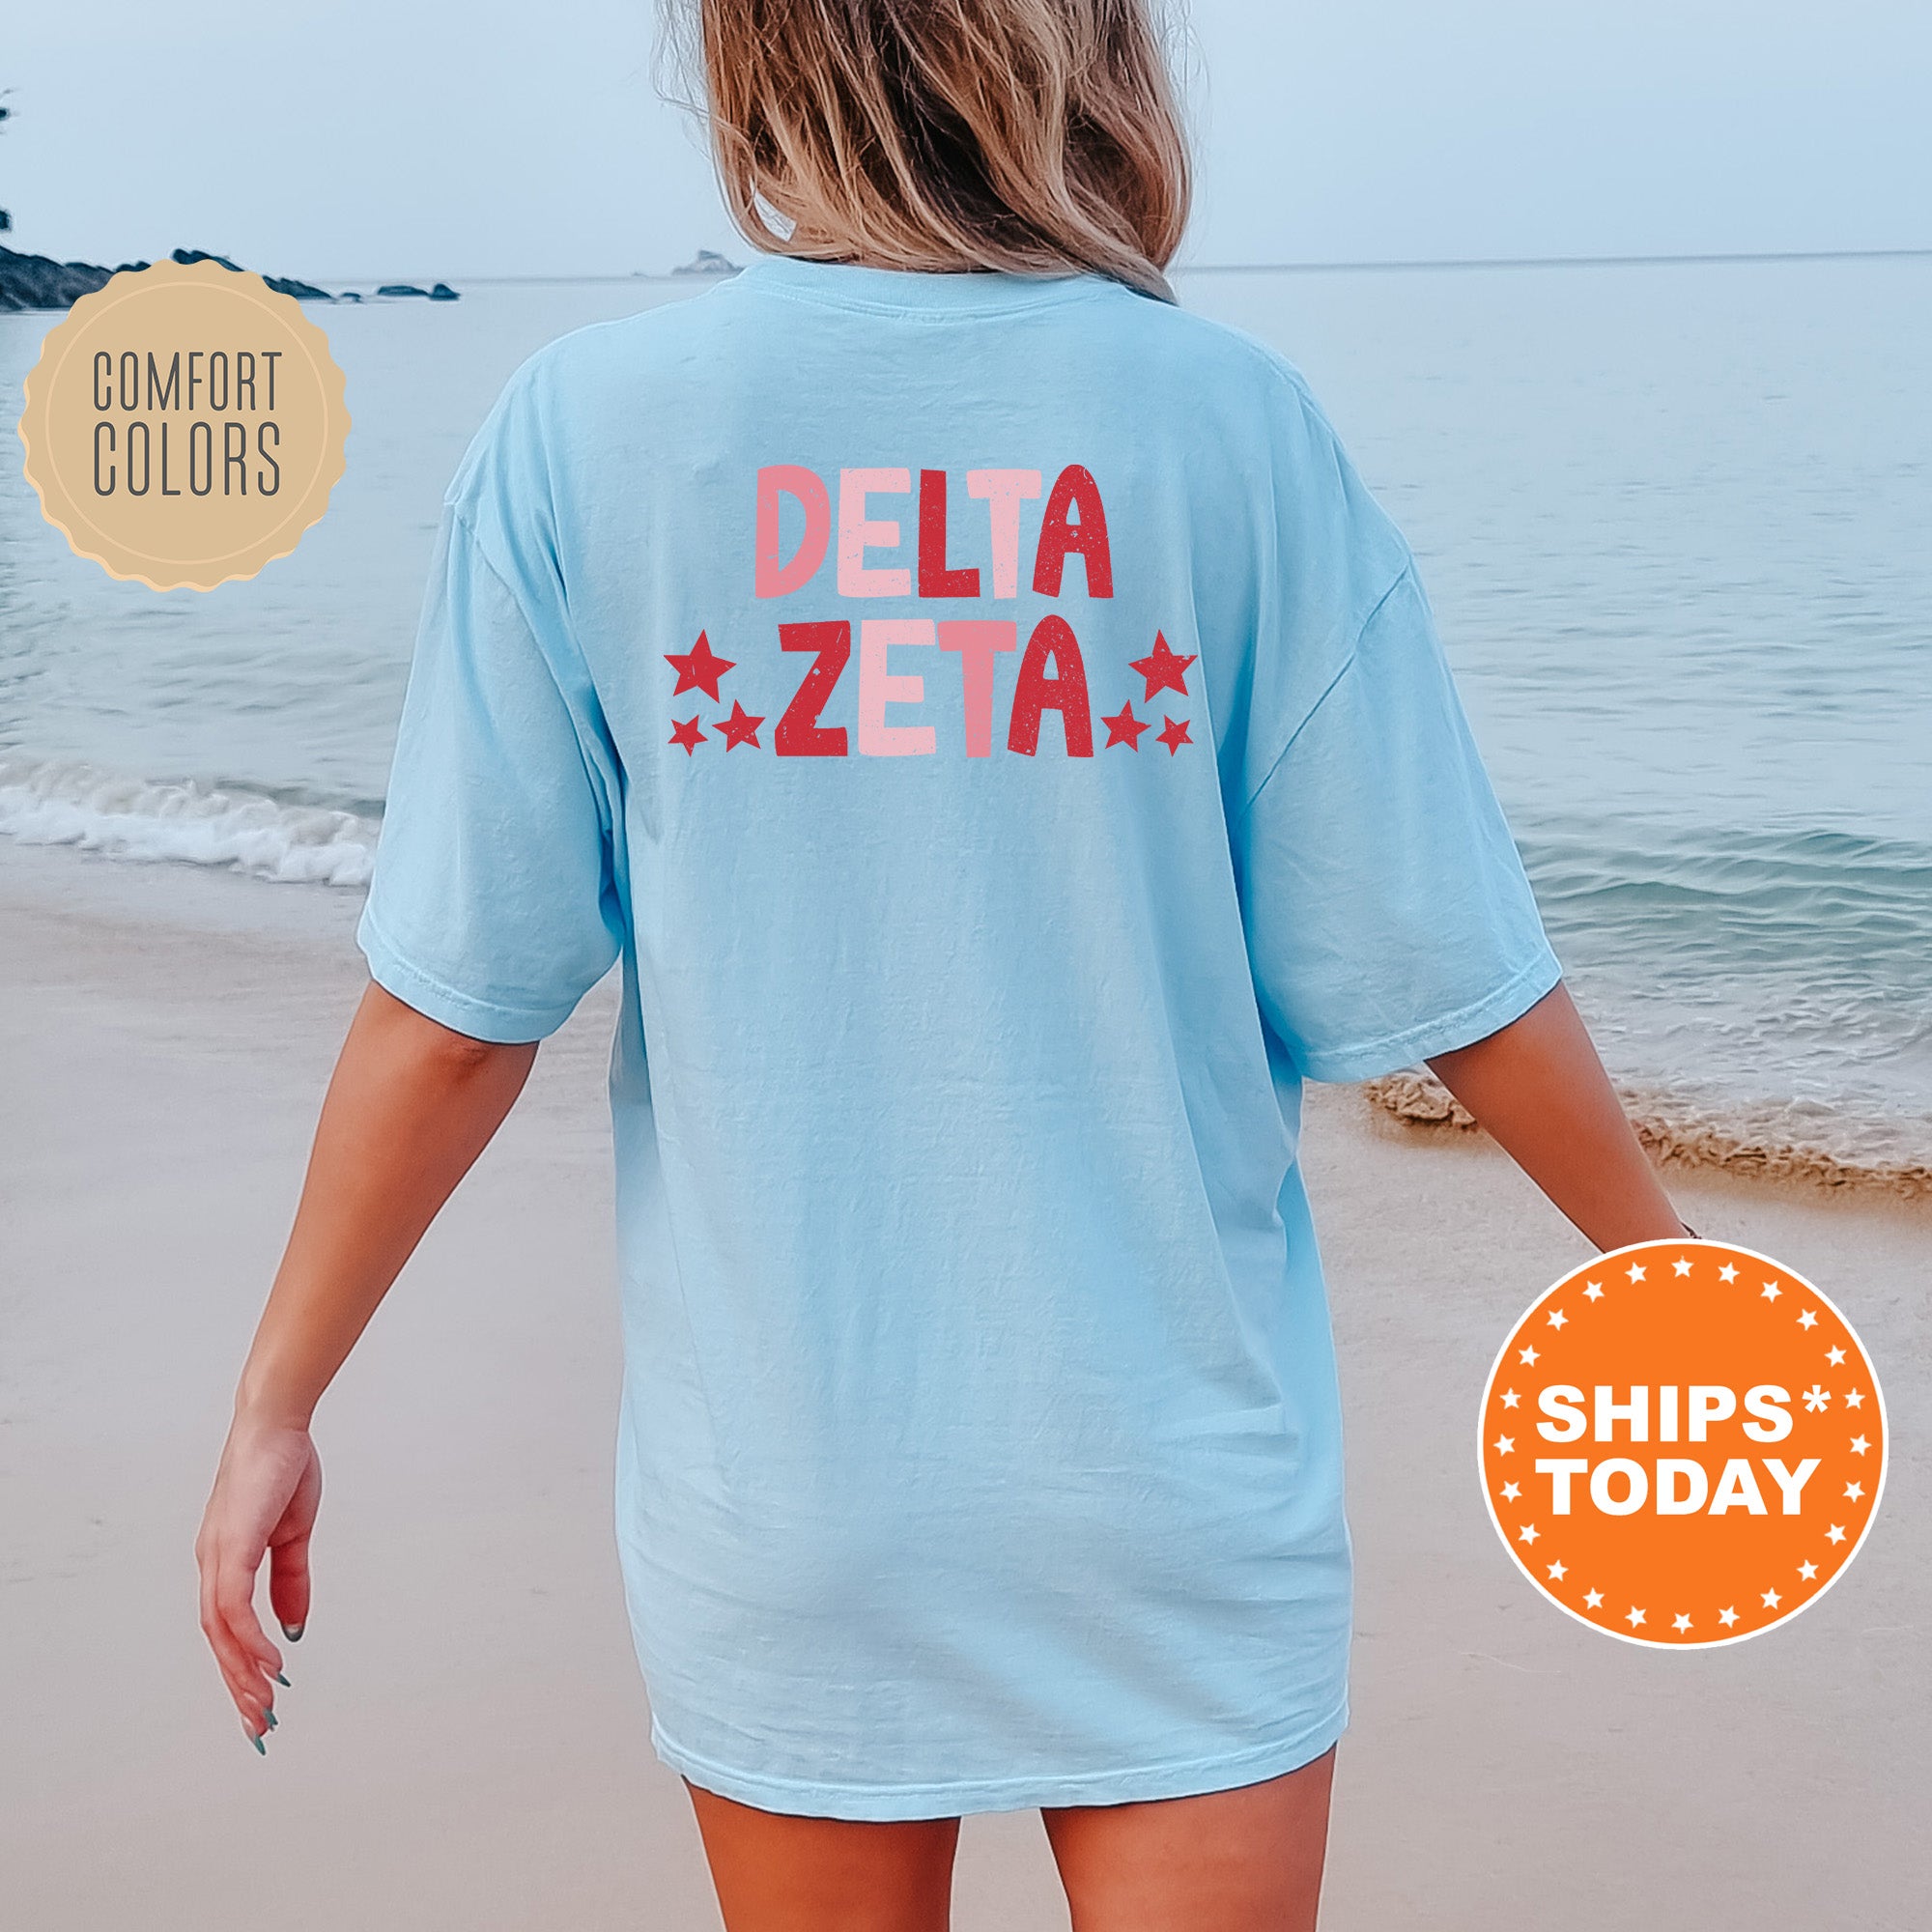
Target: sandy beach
pixel 463 1742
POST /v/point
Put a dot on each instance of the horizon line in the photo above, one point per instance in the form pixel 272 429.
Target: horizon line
pixel 1554 261
pixel 1401 264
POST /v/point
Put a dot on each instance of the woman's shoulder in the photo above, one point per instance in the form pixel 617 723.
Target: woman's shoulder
pixel 661 337
pixel 1229 379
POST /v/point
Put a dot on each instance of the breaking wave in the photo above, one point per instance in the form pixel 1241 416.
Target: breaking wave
pixel 65 802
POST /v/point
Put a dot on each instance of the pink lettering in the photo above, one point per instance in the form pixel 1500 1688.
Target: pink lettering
pixel 856 535
pixel 978 641
pixel 776 578
pixel 879 688
pixel 1004 491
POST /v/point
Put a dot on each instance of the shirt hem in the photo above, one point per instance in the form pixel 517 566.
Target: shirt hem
pixel 1490 1014
pixel 462 1012
pixel 1187 1777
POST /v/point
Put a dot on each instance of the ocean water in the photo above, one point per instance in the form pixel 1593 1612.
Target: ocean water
pixel 1675 519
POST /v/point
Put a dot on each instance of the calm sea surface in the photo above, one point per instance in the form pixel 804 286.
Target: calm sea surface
pixel 1676 522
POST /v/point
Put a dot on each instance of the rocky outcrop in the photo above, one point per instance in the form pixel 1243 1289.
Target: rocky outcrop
pixel 283 285
pixel 37 281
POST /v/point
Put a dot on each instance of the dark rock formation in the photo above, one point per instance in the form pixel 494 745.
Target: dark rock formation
pixel 707 261
pixel 34 281
pixel 37 281
pixel 283 285
pixel 442 293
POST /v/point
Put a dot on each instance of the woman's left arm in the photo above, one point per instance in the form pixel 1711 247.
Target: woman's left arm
pixel 1539 1091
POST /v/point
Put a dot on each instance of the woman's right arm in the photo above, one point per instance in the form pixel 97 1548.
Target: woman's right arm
pixel 409 1107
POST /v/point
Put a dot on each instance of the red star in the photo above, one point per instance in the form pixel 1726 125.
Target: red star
pixel 1174 735
pixel 741 728
pixel 700 667
pixel 1162 669
pixel 1124 728
pixel 684 731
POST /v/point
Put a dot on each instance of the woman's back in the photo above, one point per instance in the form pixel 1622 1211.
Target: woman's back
pixel 1009 748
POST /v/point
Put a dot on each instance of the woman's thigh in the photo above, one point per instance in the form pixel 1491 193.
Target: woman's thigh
pixel 1242 1860
pixel 777 1873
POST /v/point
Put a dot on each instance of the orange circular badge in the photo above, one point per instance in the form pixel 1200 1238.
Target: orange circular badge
pixel 1682 1443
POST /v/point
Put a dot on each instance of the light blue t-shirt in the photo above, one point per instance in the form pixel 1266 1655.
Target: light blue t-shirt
pixel 1008 750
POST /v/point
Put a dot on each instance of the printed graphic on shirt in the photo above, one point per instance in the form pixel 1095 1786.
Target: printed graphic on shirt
pixel 804 551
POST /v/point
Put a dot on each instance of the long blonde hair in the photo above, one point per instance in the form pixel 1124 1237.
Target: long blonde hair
pixel 1035 136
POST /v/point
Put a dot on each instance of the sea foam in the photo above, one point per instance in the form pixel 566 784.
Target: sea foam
pixel 1774 1140
pixel 65 802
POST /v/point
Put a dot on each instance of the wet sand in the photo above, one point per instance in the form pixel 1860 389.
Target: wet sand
pixel 463 1743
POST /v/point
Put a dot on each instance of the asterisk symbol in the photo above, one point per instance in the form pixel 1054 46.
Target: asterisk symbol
pixel 1816 1398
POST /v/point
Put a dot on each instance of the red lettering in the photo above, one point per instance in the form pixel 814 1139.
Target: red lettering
pixel 934 578
pixel 799 734
pixel 1074 487
pixel 1065 693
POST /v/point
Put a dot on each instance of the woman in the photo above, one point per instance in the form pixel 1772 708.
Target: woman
pixel 1008 751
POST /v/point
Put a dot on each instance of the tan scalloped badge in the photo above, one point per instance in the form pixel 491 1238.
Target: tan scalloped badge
pixel 183 425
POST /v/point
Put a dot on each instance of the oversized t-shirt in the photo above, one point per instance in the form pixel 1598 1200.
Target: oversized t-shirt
pixel 1008 750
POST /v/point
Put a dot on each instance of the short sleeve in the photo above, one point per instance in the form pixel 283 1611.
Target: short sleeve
pixel 492 907
pixel 1389 915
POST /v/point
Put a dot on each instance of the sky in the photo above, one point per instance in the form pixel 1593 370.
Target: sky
pixel 373 139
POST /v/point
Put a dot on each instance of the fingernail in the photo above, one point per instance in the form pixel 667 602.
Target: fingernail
pixel 293 1631
pixel 282 1680
pixel 273 1719
pixel 253 1736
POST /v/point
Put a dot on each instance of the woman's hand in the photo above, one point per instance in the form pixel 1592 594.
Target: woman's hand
pixel 266 1493
pixel 411 1106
